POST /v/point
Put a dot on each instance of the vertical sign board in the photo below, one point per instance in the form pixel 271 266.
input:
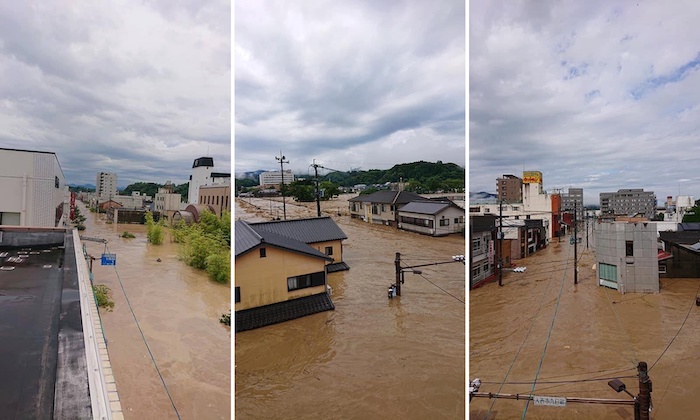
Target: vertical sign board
pixel 109 259
pixel 551 401
pixel 491 252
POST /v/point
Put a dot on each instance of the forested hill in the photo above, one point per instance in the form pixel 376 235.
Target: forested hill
pixel 421 172
pixel 151 188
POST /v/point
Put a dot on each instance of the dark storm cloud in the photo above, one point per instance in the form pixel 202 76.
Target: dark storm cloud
pixel 349 82
pixel 136 88
pixel 595 95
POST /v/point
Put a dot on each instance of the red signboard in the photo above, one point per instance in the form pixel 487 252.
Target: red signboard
pixel 491 252
pixel 72 205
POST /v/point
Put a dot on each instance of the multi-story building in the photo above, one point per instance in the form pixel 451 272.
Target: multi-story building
pixel 274 178
pixel 627 256
pixel 32 189
pixel 482 251
pixel 105 186
pixel 167 201
pixel 217 196
pixel 629 202
pixel 573 200
pixel 202 175
pixel 509 189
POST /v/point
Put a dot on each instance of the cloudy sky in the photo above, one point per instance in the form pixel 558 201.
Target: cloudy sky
pixel 597 94
pixel 139 88
pixel 354 84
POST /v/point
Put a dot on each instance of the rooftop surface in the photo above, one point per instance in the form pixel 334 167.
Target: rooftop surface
pixel 43 371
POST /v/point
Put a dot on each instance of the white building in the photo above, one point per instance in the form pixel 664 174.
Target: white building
pixel 627 256
pixel 32 189
pixel 167 202
pixel 106 185
pixel 275 178
pixel 203 175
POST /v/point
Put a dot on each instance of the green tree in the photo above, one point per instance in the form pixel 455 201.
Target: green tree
pixel 329 189
pixel 302 190
pixel 154 230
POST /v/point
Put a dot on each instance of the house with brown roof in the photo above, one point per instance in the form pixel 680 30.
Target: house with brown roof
pixel 381 206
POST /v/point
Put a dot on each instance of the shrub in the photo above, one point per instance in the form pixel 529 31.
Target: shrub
pixel 218 266
pixel 154 231
pixel 127 235
pixel 102 293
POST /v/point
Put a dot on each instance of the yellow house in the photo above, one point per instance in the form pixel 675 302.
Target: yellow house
pixel 320 233
pixel 277 278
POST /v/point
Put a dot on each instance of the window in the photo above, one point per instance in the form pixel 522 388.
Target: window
pixel 329 250
pixel 444 222
pixel 476 244
pixel 456 220
pixel 263 253
pixel 662 268
pixel 238 294
pixel 306 280
pixel 382 208
pixel 629 248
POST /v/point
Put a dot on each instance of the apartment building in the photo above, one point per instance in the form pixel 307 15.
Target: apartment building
pixel 105 185
pixel 573 199
pixel 629 202
pixel 509 189
pixel 274 178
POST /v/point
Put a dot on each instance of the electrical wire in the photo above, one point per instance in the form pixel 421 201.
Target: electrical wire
pixel 549 335
pixel 177 413
pixel 520 348
pixel 456 298
pixel 677 332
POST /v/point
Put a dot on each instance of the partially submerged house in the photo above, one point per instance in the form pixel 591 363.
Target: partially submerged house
pixel 435 218
pixel 381 206
pixel 278 275
pixel 321 233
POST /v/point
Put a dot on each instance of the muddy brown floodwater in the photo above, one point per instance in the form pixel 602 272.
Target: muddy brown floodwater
pixel 597 334
pixel 178 309
pixel 370 358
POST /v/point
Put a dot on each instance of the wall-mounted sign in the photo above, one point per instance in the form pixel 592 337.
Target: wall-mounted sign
pixel 532 177
pixel 109 259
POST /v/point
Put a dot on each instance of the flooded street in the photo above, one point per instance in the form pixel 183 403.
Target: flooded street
pixel 597 334
pixel 178 309
pixel 371 357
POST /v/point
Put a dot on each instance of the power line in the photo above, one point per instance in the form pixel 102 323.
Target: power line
pixel 678 332
pixel 521 345
pixel 549 335
pixel 143 337
pixel 460 300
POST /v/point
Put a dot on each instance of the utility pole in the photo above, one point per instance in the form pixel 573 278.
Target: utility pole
pixel 318 194
pixel 397 264
pixel 282 162
pixel 644 391
pixel 499 234
pixel 575 245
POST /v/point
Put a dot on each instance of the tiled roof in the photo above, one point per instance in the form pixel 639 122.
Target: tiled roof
pixel 388 197
pixel 688 237
pixel 261 316
pixel 253 236
pixel 318 229
pixel 246 237
pixel 425 207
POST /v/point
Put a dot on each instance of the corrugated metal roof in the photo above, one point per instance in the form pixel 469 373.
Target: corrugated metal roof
pixel 425 207
pixel 319 229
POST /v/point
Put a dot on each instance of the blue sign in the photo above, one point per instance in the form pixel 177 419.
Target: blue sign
pixel 109 259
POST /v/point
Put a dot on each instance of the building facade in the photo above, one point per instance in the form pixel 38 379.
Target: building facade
pixel 166 201
pixel 203 175
pixel 509 189
pixel 627 256
pixel 629 202
pixel 482 249
pixel 573 199
pixel 217 196
pixel 275 178
pixel 32 189
pixel 106 185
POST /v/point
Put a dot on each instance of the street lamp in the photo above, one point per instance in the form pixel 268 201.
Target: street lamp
pixel 620 386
